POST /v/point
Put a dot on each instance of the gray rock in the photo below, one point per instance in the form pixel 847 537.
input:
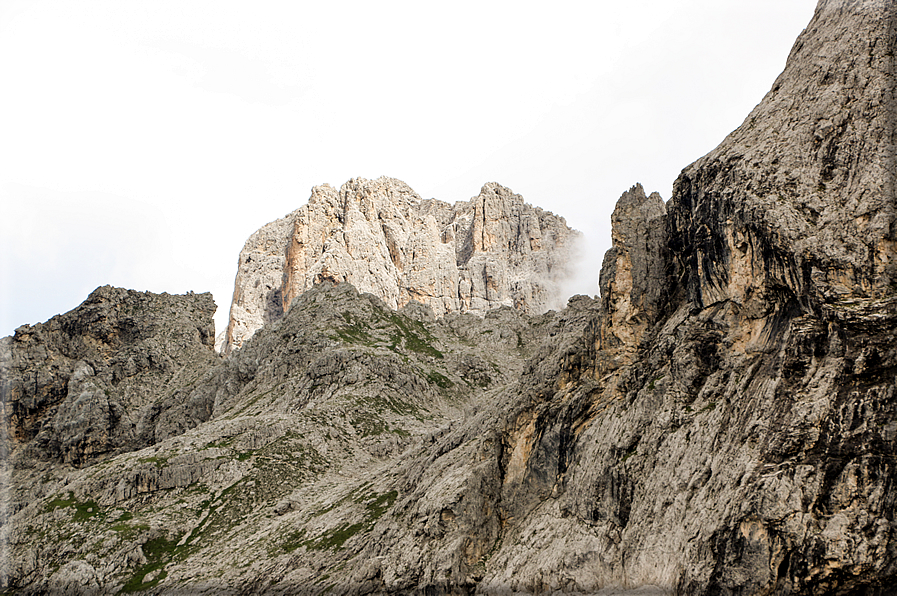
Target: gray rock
pixel 94 381
pixel 632 279
pixel 801 195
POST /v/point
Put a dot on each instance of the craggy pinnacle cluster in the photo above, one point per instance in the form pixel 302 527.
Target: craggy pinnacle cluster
pixel 379 235
pixel 722 420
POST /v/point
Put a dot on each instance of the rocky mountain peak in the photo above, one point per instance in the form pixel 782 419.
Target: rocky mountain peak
pixel 383 238
pixel 634 269
pixel 104 376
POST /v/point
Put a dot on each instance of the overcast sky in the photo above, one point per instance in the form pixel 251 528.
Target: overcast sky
pixel 141 143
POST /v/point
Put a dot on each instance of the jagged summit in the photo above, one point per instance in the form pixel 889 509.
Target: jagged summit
pixel 382 237
pixel 107 376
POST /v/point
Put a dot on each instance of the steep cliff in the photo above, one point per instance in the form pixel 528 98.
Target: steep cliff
pixel 740 435
pixel 380 236
pixel 723 420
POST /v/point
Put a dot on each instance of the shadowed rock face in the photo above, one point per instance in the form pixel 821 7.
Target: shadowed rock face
pixel 722 421
pixel 380 236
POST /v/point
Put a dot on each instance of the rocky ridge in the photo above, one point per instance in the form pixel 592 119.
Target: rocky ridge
pixel 380 236
pixel 306 422
pixel 720 421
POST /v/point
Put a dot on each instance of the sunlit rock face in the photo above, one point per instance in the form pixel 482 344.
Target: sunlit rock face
pixel 379 235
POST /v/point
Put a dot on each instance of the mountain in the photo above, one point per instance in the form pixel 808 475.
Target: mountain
pixel 380 236
pixel 722 420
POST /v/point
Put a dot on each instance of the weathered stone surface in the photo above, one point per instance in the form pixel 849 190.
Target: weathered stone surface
pixel 380 236
pixel 257 298
pixel 309 416
pixel 801 196
pixel 633 275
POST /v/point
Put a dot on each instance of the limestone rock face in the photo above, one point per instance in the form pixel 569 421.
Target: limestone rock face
pixel 257 298
pixel 380 236
pixel 812 167
pixel 632 279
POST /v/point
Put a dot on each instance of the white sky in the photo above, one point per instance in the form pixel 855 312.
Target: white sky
pixel 141 143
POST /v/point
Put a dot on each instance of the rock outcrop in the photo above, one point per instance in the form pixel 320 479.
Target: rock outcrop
pixel 723 420
pixel 633 274
pixel 380 236
pixel 311 419
pixel 103 377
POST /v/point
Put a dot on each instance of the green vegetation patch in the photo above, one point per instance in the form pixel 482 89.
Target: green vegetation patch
pixel 158 553
pixel 159 461
pixel 374 507
pixel 356 496
pixel 277 468
pixel 353 335
pixel 128 531
pixel 368 424
pixel 414 336
pixel 221 443
pixel 385 402
pixel 84 510
pixel 441 381
pixel 334 539
pixel 355 331
pixel 389 330
pixel 293 540
pixel 381 504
